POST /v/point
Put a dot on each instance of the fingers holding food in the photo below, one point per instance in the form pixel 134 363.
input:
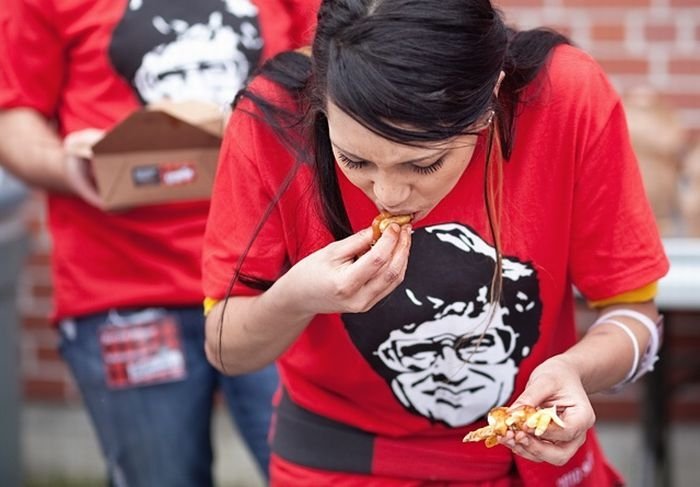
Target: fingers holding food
pixel 501 420
pixel 390 255
pixel 382 221
pixel 387 258
pixel 364 279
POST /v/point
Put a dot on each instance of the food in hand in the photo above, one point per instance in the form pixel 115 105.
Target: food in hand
pixel 501 420
pixel 382 221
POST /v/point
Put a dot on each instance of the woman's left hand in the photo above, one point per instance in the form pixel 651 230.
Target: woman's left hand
pixel 554 382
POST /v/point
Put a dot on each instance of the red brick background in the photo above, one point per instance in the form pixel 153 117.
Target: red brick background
pixel 639 42
pixel 653 43
pixel 45 375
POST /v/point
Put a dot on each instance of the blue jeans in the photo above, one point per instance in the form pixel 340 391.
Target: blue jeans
pixel 159 435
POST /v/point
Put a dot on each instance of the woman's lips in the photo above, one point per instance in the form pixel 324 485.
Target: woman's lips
pixel 388 213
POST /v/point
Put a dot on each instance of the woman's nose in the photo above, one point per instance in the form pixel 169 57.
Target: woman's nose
pixel 390 193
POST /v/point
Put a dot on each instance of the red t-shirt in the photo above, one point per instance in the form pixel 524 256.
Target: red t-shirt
pixel 91 63
pixel 575 213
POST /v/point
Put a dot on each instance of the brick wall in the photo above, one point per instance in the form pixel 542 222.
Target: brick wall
pixel 639 42
pixel 45 375
pixel 655 43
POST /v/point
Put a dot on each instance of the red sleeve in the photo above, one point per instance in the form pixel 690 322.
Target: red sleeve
pixel 615 243
pixel 32 55
pixel 303 15
pixel 240 197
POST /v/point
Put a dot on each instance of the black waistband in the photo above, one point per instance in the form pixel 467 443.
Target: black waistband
pixel 305 438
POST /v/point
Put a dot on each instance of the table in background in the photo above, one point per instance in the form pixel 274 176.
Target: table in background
pixel 679 293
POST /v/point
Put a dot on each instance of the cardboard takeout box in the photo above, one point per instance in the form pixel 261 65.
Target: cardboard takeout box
pixel 161 153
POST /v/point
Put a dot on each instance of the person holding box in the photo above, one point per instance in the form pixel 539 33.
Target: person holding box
pixel 128 298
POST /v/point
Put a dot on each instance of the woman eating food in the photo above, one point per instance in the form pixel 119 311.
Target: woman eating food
pixel 501 161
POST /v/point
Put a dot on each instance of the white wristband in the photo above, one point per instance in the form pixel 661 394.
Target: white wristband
pixel 650 356
pixel 635 345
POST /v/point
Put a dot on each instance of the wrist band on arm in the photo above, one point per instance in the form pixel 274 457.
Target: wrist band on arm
pixel 645 363
pixel 635 346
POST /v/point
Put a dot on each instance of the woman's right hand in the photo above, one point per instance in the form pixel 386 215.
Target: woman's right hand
pixel 256 330
pixel 335 280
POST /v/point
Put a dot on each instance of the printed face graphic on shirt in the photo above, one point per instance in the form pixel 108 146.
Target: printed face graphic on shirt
pixel 182 50
pixel 450 367
pixel 445 351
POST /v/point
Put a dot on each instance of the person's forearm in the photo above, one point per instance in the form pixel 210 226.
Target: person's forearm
pixel 605 354
pixel 254 331
pixel 30 149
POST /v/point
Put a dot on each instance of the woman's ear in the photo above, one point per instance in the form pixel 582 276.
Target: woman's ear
pixel 498 83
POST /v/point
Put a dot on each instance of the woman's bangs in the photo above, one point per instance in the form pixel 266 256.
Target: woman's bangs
pixel 377 102
pixel 378 98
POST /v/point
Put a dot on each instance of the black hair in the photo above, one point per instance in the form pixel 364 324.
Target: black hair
pixel 412 71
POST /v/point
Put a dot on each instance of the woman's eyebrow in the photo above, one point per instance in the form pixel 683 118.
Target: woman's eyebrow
pixel 408 161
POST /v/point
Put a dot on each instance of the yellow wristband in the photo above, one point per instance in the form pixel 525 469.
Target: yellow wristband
pixel 208 304
pixel 646 293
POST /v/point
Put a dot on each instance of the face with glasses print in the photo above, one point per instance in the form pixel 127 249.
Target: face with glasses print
pixel 178 51
pixel 446 353
pixel 453 366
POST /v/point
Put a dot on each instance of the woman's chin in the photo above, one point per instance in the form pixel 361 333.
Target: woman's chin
pixel 419 215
